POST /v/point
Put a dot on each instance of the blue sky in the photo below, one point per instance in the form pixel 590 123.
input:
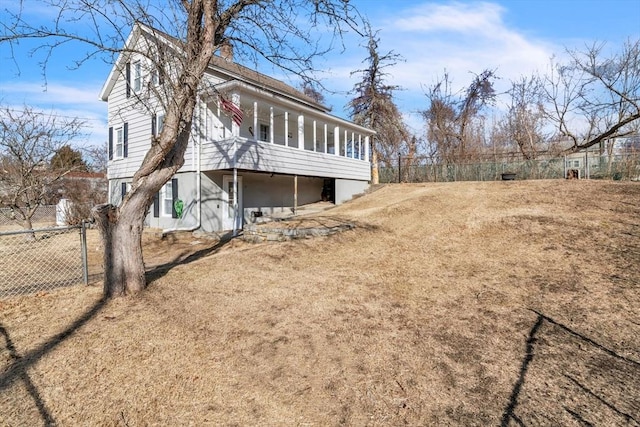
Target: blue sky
pixel 514 37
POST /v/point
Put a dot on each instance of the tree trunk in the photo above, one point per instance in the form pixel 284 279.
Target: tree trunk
pixel 28 225
pixel 124 271
pixel 375 176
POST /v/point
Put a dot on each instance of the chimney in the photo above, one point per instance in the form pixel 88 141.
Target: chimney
pixel 226 51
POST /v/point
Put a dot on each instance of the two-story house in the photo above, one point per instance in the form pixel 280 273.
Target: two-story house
pixel 257 145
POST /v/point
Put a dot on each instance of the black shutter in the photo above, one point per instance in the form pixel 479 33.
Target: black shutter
pixel 156 205
pixel 123 189
pixel 153 125
pixel 125 143
pixel 127 73
pixel 111 143
pixel 174 193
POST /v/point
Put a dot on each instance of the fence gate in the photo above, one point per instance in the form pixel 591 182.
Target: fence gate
pixel 42 259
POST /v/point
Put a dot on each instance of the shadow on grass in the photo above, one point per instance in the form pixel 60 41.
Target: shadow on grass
pixel 17 370
pixel 161 270
pixel 509 412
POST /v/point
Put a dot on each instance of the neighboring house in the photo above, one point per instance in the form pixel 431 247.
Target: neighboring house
pixel 271 143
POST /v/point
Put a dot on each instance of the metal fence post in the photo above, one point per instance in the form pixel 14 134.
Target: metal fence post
pixel 83 249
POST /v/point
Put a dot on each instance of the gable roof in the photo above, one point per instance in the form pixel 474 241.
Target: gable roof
pixel 218 64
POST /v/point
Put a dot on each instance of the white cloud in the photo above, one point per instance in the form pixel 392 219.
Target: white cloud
pixel 467 18
pixel 461 38
pixel 62 100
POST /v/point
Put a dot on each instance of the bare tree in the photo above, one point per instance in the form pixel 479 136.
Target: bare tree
pixel 97 157
pixel 28 141
pixel 373 106
pixel 309 89
pixel 524 121
pixel 191 31
pixel 452 119
pixel 595 99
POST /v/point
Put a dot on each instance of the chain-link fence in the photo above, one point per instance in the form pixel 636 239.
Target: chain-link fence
pixel 42 259
pixel 45 214
pixel 616 168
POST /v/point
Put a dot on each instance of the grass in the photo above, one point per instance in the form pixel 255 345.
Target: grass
pixel 501 303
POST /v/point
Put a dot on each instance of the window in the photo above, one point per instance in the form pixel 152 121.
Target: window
pixel 167 199
pixel 159 123
pixel 137 76
pixel 264 132
pixel 119 143
pixel 576 163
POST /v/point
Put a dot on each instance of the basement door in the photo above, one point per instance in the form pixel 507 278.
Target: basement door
pixel 229 214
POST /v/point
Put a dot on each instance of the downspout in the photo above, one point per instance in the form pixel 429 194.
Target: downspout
pixel 198 166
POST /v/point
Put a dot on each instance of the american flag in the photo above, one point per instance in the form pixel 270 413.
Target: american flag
pixel 232 109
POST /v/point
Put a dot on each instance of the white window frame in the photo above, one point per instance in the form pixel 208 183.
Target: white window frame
pixel 166 194
pixel 118 151
pixel 159 123
pixel 137 76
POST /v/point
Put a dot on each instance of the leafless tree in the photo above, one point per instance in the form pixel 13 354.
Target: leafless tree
pixel 524 121
pixel 309 89
pixel 97 157
pixel 29 139
pixel 452 119
pixel 285 32
pixel 373 106
pixel 595 98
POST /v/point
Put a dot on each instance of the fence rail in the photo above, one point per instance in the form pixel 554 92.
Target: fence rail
pixel 621 168
pixel 42 259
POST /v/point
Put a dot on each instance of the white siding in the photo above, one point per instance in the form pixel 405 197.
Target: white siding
pixel 266 157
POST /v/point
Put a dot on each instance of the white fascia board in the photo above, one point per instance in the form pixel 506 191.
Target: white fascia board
pixel 115 70
pixel 290 103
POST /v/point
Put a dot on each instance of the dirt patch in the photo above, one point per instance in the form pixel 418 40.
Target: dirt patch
pixel 450 304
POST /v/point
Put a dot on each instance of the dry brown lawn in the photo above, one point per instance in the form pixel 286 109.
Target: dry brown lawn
pixel 501 303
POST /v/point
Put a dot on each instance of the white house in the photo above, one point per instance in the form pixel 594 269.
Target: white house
pixel 275 146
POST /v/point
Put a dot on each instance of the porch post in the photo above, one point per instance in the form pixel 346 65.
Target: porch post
pixel 295 194
pixel 255 120
pixel 367 140
pixel 301 131
pixel 326 138
pixel 346 141
pixel 271 125
pixel 286 128
pixel 315 139
pixel 235 129
pixel 353 145
pixel 336 140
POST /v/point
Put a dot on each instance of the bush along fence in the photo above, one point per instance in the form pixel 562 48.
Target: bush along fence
pixel 585 166
pixel 42 259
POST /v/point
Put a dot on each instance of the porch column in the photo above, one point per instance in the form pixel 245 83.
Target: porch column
pixel 315 137
pixel 271 125
pixel 353 145
pixel 286 128
pixel 235 128
pixel 301 132
pixel 360 146
pixel 326 138
pixel 367 140
pixel 336 140
pixel 255 120
pixel 346 141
